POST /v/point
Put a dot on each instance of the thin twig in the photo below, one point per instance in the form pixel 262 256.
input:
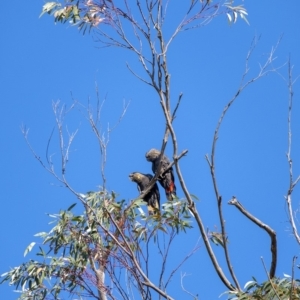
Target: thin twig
pixel 293 274
pixel 181 263
pixel 48 144
pixel 164 255
pixel 270 279
pixel 177 106
pixel 195 297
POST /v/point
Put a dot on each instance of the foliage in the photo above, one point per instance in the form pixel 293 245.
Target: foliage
pixel 275 288
pixel 89 14
pixel 105 237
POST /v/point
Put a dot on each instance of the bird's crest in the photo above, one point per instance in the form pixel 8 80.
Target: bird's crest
pixel 152 154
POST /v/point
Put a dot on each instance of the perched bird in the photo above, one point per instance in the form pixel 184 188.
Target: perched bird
pixel 153 197
pixel 167 179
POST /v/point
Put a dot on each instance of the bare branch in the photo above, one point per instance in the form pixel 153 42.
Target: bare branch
pixel 138 76
pixel 224 238
pixel 165 256
pixel 177 106
pixel 196 214
pixel 292 182
pixel 195 297
pixel 59 113
pixel 181 263
pixel 264 69
pixel 267 228
pixel 64 148
pixel 48 144
pixel 102 138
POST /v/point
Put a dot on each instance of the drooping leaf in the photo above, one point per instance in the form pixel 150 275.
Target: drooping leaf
pixel 74 204
pixel 49 7
pixel 29 248
pixel 42 234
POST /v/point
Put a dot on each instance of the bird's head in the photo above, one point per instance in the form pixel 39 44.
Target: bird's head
pixel 152 154
pixel 139 177
pixel 135 176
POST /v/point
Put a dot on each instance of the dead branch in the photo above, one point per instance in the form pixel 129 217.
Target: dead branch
pixel 195 297
pixel 181 263
pixel 267 228
pixel 292 182
pixel 64 148
pixel 59 113
pixel 264 70
pixel 177 106
pixel 165 256
pixel 103 137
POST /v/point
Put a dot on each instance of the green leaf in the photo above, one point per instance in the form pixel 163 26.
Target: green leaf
pixel 42 234
pixel 77 219
pixel 41 253
pixel 49 7
pixel 229 18
pixel 41 279
pixel 162 229
pixel 29 248
pixel 4 274
pixel 244 18
pixel 249 285
pixel 71 206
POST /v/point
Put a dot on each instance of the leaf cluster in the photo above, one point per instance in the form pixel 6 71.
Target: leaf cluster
pixel 89 14
pixel 79 245
pixel 276 288
pixel 85 15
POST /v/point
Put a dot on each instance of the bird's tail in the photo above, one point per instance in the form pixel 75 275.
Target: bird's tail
pixel 171 191
pixel 153 209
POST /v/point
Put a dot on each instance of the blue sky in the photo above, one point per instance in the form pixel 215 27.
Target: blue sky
pixel 42 62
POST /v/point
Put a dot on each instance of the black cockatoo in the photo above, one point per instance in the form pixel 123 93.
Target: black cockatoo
pixel 167 179
pixel 153 197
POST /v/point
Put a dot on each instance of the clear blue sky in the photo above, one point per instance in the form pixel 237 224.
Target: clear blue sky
pixel 42 62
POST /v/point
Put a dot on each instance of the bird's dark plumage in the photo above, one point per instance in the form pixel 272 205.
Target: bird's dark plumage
pixel 166 180
pixel 153 197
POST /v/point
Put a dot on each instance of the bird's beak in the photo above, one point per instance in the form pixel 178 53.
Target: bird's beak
pixel 130 176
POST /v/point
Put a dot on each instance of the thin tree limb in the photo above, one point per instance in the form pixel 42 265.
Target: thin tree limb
pixel 265 227
pixel 292 182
